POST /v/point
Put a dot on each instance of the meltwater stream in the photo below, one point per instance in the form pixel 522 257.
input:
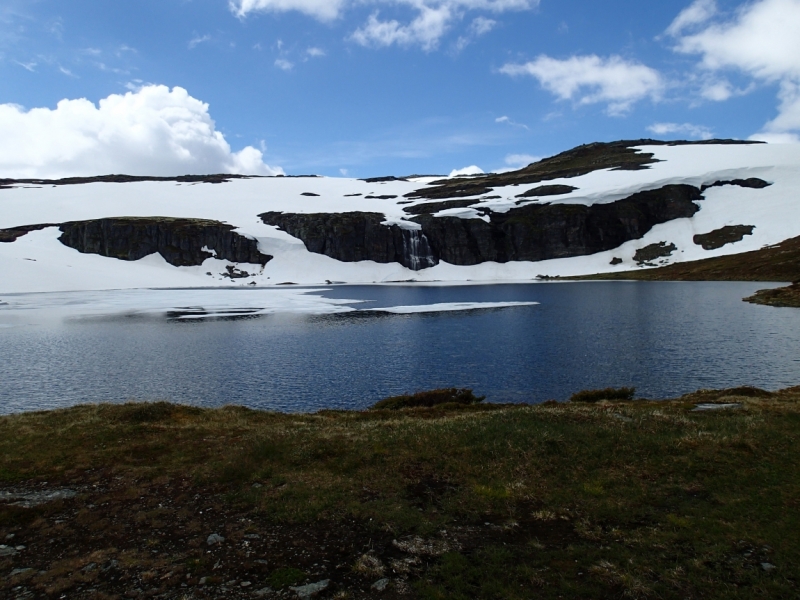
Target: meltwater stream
pixel 305 350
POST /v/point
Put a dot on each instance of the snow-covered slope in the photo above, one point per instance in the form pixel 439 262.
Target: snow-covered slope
pixel 38 261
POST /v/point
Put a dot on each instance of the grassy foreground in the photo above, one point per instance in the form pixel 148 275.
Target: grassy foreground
pixel 627 499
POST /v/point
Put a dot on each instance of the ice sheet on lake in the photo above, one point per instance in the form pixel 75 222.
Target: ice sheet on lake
pixel 196 304
pixel 446 307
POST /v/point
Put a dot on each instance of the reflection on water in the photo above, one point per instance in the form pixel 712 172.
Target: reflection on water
pixel 663 338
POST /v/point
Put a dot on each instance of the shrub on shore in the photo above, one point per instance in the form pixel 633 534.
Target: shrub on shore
pixel 430 399
pixel 618 394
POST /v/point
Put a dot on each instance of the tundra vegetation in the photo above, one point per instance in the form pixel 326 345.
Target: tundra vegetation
pixel 432 495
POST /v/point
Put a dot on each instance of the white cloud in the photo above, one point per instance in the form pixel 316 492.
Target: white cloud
pixel 697 13
pixel 591 79
pixel 197 40
pixel 507 120
pixel 315 52
pixel 283 64
pixel 471 170
pixel 324 10
pixel 693 131
pixel 152 131
pixel 433 18
pixel 29 66
pixel 426 30
pixel 761 41
pixel 776 138
pixel 480 26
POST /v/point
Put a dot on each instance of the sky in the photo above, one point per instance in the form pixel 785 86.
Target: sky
pixel 364 88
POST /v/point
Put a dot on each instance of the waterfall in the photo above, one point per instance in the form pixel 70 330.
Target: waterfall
pixel 417 253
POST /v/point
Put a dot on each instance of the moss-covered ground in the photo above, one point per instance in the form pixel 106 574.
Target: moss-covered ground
pixel 627 499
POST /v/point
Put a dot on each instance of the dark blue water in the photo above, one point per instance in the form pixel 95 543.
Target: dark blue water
pixel 663 338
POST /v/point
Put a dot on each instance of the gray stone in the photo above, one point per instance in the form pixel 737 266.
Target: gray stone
pixel 266 591
pixel 312 589
pixel 706 407
pixel 215 539
pixel 380 585
pixel 28 499
pixel 7 550
pixel 16 572
pixel 246 584
pixel 768 567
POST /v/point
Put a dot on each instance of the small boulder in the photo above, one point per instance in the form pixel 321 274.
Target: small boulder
pixel 380 585
pixel 312 589
pixel 215 539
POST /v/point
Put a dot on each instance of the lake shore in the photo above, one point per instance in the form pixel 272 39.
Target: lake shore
pixel 610 499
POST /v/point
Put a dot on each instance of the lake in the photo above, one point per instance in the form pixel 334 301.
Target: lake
pixel 304 350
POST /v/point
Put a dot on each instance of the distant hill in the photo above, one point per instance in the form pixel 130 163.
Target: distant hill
pixel 636 209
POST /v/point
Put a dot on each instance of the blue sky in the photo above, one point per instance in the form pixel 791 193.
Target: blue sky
pixel 372 87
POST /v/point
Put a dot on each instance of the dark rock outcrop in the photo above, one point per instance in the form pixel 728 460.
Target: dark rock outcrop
pixel 730 234
pixel 548 190
pixel 529 233
pixel 434 207
pixel 179 241
pixel 217 178
pixel 645 256
pixel 752 182
pixel 14 233
pixel 356 236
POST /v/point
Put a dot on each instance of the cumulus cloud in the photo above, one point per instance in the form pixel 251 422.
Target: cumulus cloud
pixel 471 170
pixel 698 132
pixel 591 79
pixel 151 131
pixel 426 30
pixel 761 40
pixel 283 64
pixel 432 20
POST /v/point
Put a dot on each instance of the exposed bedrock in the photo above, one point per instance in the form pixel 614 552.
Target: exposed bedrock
pixel 530 233
pixel 545 231
pixel 356 236
pixel 180 241
pixel 730 234
pixel 14 233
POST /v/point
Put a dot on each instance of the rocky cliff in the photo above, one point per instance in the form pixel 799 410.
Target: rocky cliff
pixel 356 236
pixel 529 233
pixel 182 242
